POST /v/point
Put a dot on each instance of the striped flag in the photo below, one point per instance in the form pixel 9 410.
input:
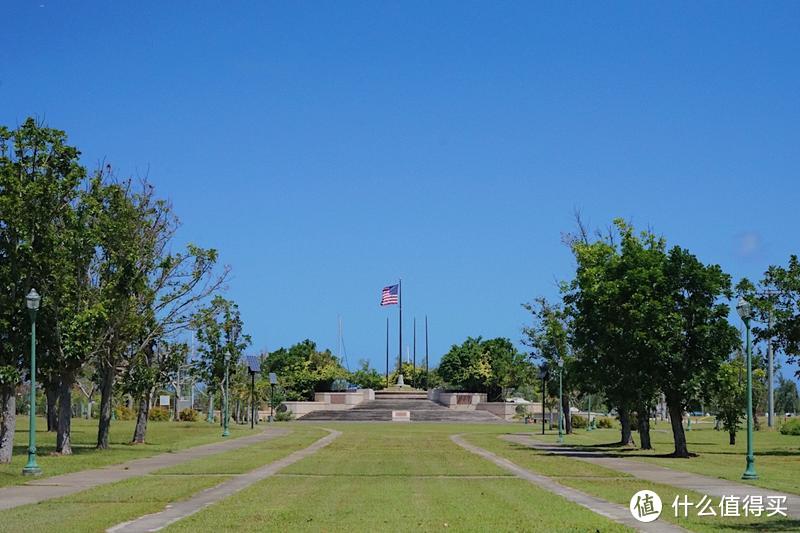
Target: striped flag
pixel 389 295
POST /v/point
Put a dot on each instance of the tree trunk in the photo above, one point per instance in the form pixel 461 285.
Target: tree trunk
pixel 678 435
pixel 51 393
pixel 8 422
pixel 567 415
pixel 644 428
pixel 106 392
pixel 625 422
pixel 63 440
pixel 141 419
pixel 210 414
pixel 732 438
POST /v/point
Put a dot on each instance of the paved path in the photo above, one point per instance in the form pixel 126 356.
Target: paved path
pixel 201 500
pixel 710 486
pixel 39 490
pixel 613 511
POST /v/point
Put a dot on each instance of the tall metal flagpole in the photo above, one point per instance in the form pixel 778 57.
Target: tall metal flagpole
pixel 387 351
pixel 400 330
pixel 414 363
pixel 427 375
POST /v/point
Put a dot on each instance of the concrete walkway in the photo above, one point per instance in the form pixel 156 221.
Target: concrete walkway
pixel 613 511
pixel 39 490
pixel 710 486
pixel 177 511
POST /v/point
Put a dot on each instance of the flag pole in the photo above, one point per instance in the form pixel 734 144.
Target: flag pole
pixel 387 351
pixel 414 364
pixel 427 375
pixel 400 330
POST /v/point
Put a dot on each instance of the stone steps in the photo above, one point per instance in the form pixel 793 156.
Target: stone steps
pixel 422 410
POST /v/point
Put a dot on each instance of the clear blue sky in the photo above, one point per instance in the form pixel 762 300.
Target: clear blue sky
pixel 328 148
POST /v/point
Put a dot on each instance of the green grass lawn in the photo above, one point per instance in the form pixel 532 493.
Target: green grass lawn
pixel 161 437
pixel 392 477
pixel 777 456
pixel 618 487
pixel 102 507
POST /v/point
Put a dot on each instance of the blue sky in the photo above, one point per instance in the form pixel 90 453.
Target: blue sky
pixel 328 148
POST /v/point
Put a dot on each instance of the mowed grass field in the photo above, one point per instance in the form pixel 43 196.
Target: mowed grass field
pixel 618 487
pixel 777 456
pixel 396 477
pixel 161 437
pixel 104 506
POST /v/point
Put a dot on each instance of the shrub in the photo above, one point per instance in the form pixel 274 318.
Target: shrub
pixel 158 414
pixel 579 421
pixel 791 427
pixel 284 416
pixel 124 413
pixel 604 423
pixel 188 415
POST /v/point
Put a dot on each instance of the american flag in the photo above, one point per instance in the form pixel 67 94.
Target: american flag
pixel 389 295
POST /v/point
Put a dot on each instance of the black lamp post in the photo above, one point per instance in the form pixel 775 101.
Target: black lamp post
pixel 544 375
pixel 254 366
pixel 273 380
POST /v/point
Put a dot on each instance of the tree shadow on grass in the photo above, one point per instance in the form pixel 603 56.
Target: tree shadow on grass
pixel 787 524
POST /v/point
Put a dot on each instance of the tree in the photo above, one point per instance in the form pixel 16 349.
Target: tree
pixel 648 319
pixel 786 397
pixel 367 377
pixel 218 330
pixel 151 368
pixel 615 303
pixel 727 394
pixel 549 336
pixel 45 242
pixel 303 370
pixel 699 337
pixel 776 301
pixel 492 366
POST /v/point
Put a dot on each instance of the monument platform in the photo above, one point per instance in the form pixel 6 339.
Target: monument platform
pixel 419 409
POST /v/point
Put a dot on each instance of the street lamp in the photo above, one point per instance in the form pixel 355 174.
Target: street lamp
pixel 234 335
pixel 273 380
pixel 560 402
pixel 544 374
pixel 589 416
pixel 254 366
pixel 32 469
pixel 745 312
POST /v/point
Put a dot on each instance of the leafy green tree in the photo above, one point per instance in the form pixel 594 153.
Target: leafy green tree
pixel 615 302
pixel 368 377
pixel 776 302
pixel 45 242
pixel 492 366
pixel 218 329
pixel 727 394
pixel 647 317
pixel 786 397
pixel 548 336
pixel 303 370
pixel 150 370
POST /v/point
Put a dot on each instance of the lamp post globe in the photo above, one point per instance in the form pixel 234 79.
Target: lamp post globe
pixel 32 301
pixel 745 312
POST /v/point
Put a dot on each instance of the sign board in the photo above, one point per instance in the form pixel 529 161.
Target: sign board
pixel 163 400
pixel 273 378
